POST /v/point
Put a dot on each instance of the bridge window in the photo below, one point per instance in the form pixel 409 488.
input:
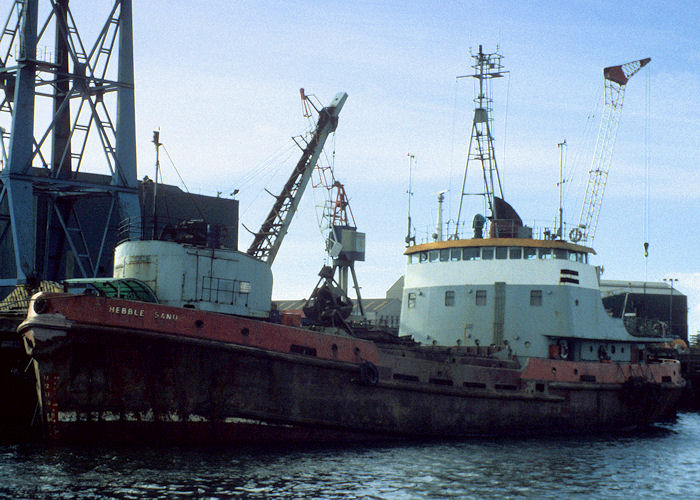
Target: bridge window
pixel 487 253
pixel 501 253
pixel 433 255
pixel 481 297
pixel 535 297
pixel 449 298
pixel 545 253
pixel 516 253
pixel 560 253
pixel 455 254
pixel 530 253
pixel 423 257
pixel 444 255
pixel 578 256
pixel 471 254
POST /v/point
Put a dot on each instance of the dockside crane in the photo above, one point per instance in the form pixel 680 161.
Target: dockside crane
pixel 329 303
pixel 615 78
pixel 267 240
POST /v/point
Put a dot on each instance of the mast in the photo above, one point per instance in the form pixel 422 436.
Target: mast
pixel 486 68
pixel 560 229
pixel 438 224
pixel 157 144
pixel 268 239
pixel 410 238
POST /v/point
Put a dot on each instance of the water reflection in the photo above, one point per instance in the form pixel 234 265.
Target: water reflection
pixel 660 462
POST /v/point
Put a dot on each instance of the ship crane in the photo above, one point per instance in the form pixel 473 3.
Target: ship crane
pixel 267 240
pixel 615 78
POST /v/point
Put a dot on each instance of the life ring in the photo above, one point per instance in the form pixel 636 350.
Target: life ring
pixel 369 375
pixel 575 235
pixel 563 349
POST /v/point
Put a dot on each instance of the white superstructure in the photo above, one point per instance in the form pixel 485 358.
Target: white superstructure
pixel 210 279
pixel 535 297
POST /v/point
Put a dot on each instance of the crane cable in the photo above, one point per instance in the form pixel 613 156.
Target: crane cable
pixel 647 161
pixel 194 202
pixel 268 168
pixel 576 170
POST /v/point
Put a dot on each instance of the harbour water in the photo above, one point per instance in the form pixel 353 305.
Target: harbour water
pixel 661 462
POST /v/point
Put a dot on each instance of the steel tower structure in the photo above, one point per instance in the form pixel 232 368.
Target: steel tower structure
pixel 615 78
pixel 44 219
pixel 486 68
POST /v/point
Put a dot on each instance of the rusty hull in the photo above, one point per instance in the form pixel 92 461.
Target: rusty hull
pixel 159 374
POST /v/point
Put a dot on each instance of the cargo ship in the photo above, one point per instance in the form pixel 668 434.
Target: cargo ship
pixel 501 334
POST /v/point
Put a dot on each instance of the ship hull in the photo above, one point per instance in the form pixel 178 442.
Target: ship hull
pixel 17 382
pixel 122 379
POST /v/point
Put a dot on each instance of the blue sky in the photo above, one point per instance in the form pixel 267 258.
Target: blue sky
pixel 221 80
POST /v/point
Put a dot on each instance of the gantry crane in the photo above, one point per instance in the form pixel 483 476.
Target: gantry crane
pixel 267 240
pixel 49 227
pixel 615 78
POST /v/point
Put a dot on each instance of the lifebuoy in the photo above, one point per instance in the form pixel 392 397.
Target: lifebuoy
pixel 575 235
pixel 369 375
pixel 563 349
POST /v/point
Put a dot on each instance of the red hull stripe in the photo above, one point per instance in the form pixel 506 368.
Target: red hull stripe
pixel 605 373
pixel 142 316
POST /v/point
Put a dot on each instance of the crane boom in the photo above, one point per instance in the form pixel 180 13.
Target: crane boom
pixel 267 240
pixel 615 78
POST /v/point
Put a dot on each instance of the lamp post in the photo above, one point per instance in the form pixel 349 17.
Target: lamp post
pixel 670 304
